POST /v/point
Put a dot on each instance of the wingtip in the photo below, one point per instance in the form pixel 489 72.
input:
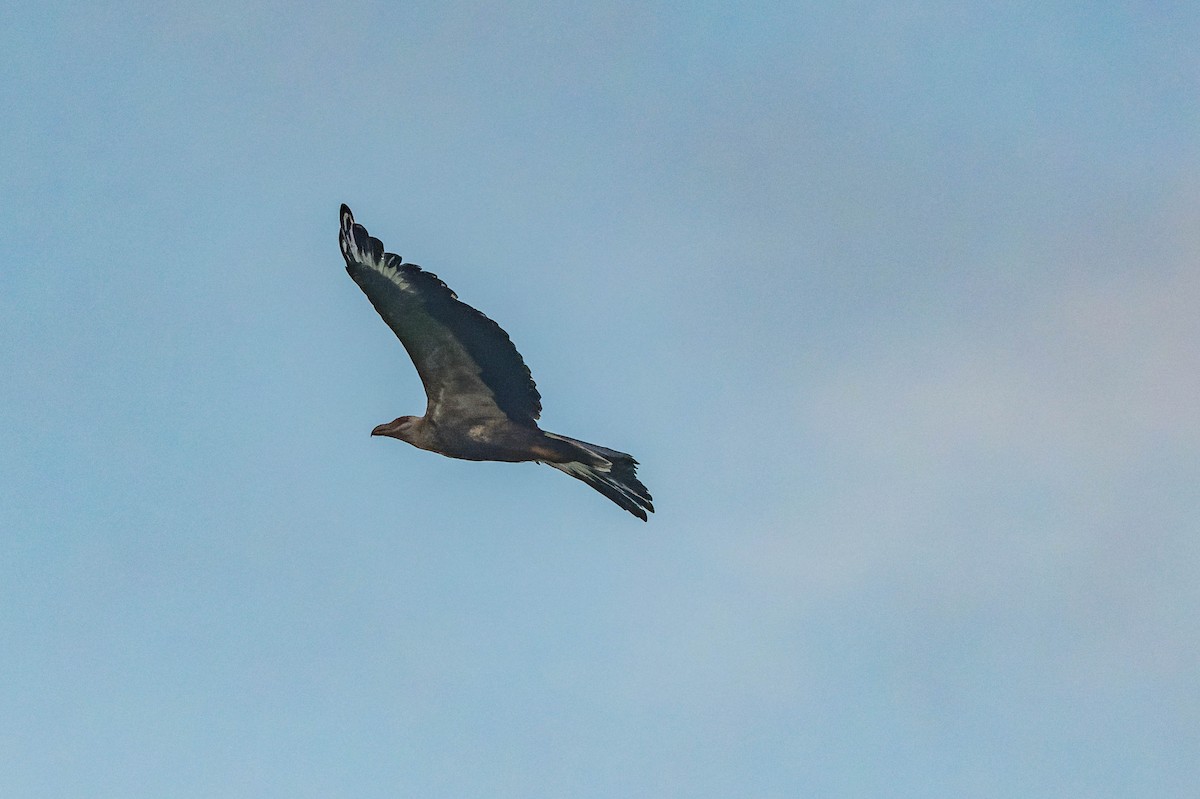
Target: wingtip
pixel 356 243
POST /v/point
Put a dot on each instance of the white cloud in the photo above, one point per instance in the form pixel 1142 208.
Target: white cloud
pixel 1036 475
pixel 1086 379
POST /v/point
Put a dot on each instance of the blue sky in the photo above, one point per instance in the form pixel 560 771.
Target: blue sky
pixel 895 303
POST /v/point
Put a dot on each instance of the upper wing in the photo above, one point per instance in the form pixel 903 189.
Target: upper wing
pixel 469 366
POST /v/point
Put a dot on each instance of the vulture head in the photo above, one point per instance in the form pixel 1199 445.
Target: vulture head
pixel 401 428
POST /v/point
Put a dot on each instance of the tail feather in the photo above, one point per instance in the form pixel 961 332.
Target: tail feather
pixel 612 473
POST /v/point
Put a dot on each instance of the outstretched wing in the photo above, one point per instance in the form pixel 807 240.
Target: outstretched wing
pixel 469 366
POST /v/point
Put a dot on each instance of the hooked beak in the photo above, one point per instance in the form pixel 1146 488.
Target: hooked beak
pixel 392 428
pixel 388 428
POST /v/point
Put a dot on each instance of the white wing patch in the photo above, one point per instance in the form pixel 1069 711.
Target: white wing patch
pixel 387 264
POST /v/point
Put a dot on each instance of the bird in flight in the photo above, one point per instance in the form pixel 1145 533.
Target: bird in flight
pixel 482 404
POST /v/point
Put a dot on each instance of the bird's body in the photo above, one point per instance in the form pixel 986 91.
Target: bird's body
pixel 486 440
pixel 482 404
